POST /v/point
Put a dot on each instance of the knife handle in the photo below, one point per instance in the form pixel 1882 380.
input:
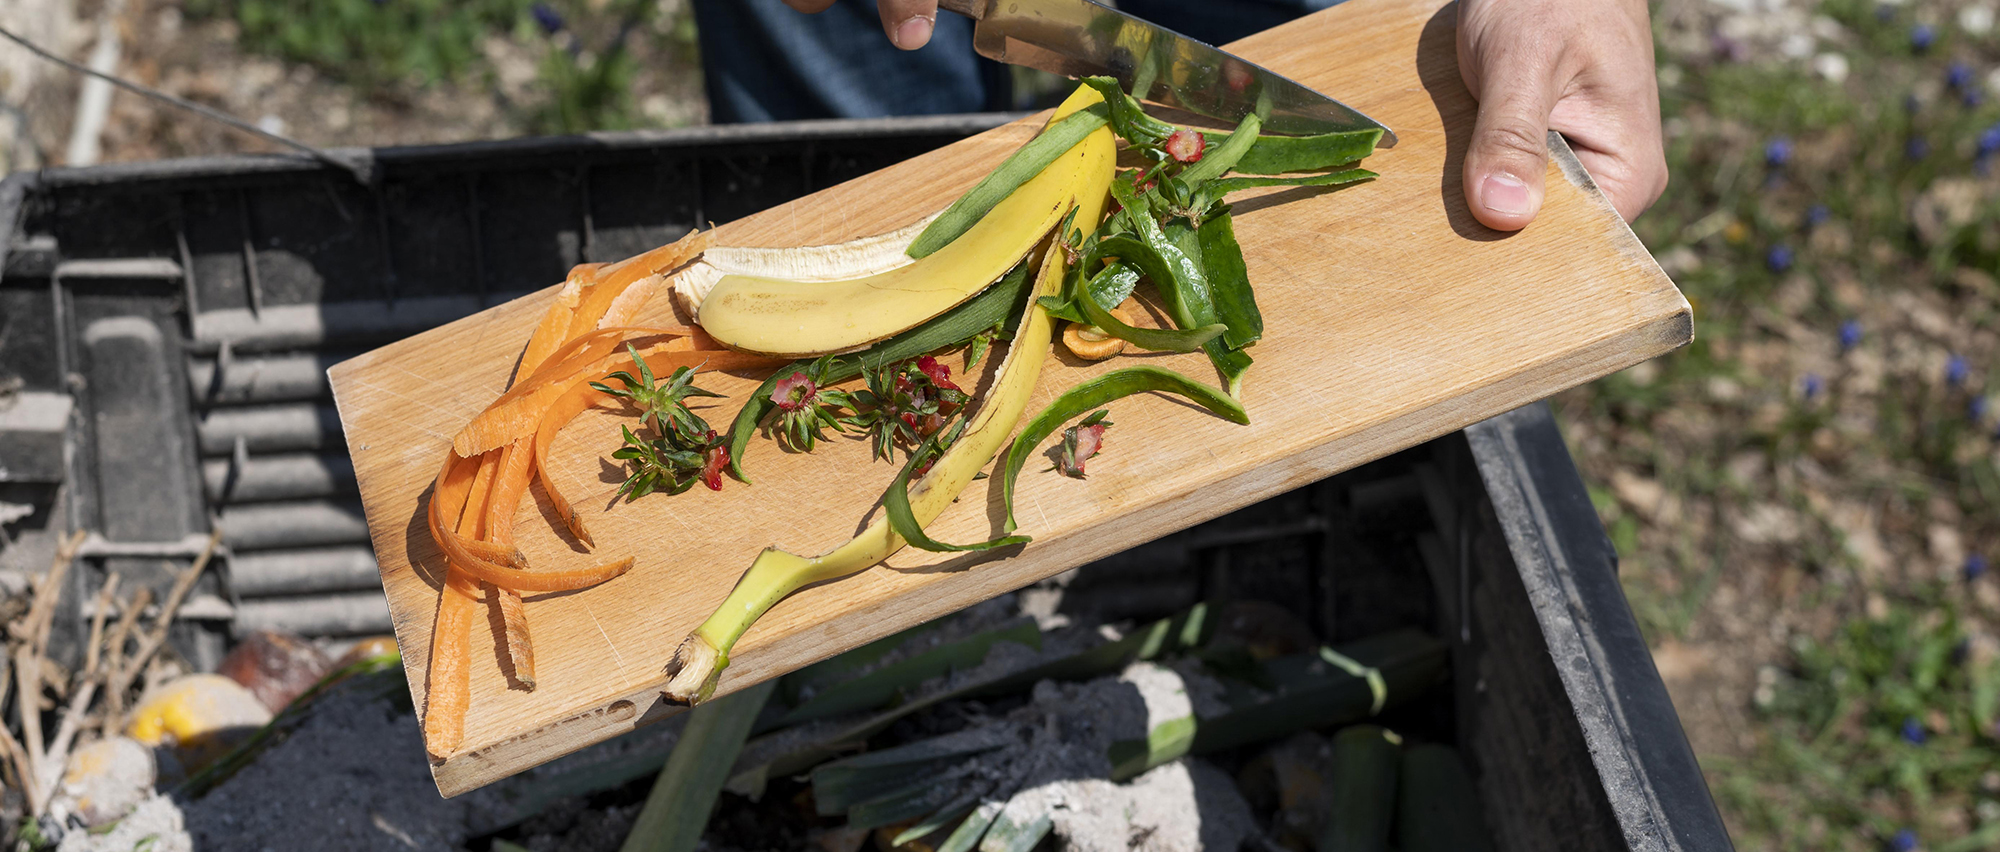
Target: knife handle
pixel 974 9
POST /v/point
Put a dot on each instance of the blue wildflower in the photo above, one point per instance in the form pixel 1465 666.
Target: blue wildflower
pixel 1904 841
pixel 550 20
pixel 1975 567
pixel 1975 408
pixel 1917 148
pixel 1817 215
pixel 1955 370
pixel 1972 97
pixel 1779 258
pixel 1989 141
pixel 1814 386
pixel 1913 731
pixel 1959 76
pixel 1777 152
pixel 1922 37
pixel 1850 334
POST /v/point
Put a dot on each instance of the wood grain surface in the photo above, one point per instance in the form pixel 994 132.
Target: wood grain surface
pixel 1392 318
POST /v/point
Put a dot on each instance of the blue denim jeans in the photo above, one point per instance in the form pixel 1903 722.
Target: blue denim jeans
pixel 765 62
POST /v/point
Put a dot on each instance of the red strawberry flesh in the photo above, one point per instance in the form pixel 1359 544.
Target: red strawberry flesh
pixel 1186 146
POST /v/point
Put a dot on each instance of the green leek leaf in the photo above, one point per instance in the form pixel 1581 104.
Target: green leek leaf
pixel 1223 186
pixel 1154 339
pixel 1273 155
pixel 1093 394
pixel 1019 167
pixel 1128 119
pixel 1235 302
pixel 896 502
pixel 1221 158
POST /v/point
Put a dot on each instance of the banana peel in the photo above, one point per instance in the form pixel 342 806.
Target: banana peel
pixel 699 661
pixel 794 318
pixel 836 262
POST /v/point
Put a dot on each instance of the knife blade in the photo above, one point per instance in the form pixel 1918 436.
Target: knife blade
pixel 1079 38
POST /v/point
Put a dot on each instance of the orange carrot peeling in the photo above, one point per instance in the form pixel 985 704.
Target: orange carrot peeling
pixel 496 524
pixel 448 683
pixel 457 475
pixel 515 415
pixel 509 486
pixel 578 400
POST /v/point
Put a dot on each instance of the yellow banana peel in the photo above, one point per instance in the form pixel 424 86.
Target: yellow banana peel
pixel 794 318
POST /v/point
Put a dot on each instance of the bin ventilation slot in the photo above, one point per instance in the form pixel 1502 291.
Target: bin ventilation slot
pixel 120 268
pixel 290 476
pixel 270 429
pixel 322 615
pixel 304 571
pixel 313 326
pixel 300 523
pixel 259 379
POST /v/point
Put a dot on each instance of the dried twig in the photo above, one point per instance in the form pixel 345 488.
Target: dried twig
pixel 19 759
pixel 158 635
pixel 105 596
pixel 114 648
pixel 30 650
pixel 34 628
pixel 79 701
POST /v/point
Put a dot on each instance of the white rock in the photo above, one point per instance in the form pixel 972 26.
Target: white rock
pixel 1827 29
pixel 1831 66
pixel 1797 46
pixel 155 823
pixel 1976 19
pixel 106 779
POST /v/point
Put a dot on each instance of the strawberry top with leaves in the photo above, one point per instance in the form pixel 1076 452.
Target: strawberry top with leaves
pixel 661 405
pixel 686 449
pixel 807 406
pixel 905 403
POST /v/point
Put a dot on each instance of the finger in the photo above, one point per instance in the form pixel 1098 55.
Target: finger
pixel 1508 158
pixel 908 22
pixel 810 7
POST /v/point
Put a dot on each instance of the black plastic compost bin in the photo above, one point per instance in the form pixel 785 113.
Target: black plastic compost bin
pixel 165 330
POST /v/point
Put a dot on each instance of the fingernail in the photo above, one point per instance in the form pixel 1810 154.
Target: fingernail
pixel 913 33
pixel 1504 193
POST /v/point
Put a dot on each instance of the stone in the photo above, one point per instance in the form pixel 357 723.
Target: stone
pixel 275 666
pixel 154 826
pixel 106 779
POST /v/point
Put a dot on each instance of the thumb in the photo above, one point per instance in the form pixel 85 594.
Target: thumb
pixel 1509 156
pixel 908 22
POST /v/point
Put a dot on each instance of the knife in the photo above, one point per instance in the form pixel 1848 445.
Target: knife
pixel 1079 38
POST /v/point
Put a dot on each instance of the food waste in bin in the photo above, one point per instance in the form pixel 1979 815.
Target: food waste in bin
pixel 1027 246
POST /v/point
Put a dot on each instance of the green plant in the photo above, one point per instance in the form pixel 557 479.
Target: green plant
pixel 368 43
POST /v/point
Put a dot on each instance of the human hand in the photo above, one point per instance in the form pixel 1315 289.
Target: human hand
pixel 908 23
pixel 1581 67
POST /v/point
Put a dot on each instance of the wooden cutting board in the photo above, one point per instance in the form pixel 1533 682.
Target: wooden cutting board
pixel 1393 318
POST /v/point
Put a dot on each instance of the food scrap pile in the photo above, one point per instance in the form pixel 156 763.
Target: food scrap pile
pixel 1029 245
